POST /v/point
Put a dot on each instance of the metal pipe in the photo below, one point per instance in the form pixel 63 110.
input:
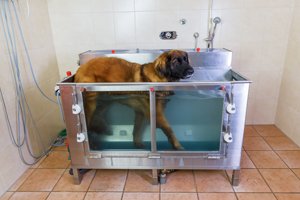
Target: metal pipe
pixel 153 119
pixel 209 24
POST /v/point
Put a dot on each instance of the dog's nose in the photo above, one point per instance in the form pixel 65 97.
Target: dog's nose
pixel 190 71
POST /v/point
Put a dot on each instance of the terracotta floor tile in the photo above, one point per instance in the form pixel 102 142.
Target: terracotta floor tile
pixel 287 196
pixel 212 181
pixel 66 182
pixel 255 143
pixel 57 160
pixel 103 195
pixel 6 195
pixel 60 148
pixel 109 180
pixel 281 143
pixel 246 162
pixel 38 163
pixel 41 180
pixel 297 172
pixel 21 180
pixel 140 181
pixel 250 131
pixel 291 158
pixel 216 196
pixel 281 180
pixel 140 196
pixel 178 196
pixel 179 181
pixel 251 181
pixel 29 196
pixel 66 196
pixel 266 159
pixel 257 196
pixel 268 130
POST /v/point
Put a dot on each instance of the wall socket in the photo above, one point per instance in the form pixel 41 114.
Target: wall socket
pixel 168 35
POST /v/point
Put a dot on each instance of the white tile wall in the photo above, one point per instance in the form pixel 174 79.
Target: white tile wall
pixel 288 111
pixel 125 27
pixel 257 32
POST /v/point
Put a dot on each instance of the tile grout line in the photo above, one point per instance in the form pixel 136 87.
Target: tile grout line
pixel 58 180
pixel 258 168
pixel 123 191
pixel 196 186
pixel 48 196
pixel 10 195
pixel 22 182
pixel 87 190
pixel 251 160
pixel 17 190
pixel 291 169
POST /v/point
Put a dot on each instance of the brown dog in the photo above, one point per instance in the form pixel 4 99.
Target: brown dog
pixel 170 66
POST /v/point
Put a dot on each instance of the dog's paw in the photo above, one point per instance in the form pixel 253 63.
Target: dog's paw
pixel 179 148
pixel 139 145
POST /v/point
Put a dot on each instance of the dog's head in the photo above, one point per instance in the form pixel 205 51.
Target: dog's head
pixel 174 65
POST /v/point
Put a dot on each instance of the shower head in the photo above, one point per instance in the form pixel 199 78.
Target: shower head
pixel 217 20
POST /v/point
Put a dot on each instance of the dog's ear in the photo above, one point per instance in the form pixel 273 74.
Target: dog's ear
pixel 161 64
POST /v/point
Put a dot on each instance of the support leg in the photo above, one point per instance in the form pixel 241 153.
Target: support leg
pixel 235 180
pixel 77 176
pixel 154 177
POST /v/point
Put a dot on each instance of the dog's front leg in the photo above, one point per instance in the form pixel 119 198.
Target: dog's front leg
pixel 163 124
pixel 138 130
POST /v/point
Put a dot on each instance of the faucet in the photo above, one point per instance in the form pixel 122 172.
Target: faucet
pixel 211 34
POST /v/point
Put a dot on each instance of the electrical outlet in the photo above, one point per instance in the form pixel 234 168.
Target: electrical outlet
pixel 168 35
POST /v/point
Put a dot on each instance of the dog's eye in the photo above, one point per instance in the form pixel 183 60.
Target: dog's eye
pixel 184 58
pixel 179 60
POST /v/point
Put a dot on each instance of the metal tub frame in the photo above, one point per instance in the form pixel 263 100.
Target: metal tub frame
pixel 227 158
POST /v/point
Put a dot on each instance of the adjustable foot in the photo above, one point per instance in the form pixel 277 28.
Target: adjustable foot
pixel 77 174
pixel 235 180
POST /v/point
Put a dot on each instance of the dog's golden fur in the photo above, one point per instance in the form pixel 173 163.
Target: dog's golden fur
pixel 168 67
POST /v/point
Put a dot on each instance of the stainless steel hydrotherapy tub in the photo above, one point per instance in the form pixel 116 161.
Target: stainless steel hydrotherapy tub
pixel 207 113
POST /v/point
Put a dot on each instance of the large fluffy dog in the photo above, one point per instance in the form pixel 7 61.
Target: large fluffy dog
pixel 170 66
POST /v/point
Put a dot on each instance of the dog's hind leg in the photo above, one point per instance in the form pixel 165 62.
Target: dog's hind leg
pixel 89 105
pixel 138 129
pixel 98 123
pixel 163 124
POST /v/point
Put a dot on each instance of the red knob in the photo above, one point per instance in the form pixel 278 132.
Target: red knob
pixel 198 49
pixel 113 51
pixel 151 89
pixel 69 73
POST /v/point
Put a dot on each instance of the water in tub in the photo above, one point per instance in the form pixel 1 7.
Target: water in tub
pixel 195 117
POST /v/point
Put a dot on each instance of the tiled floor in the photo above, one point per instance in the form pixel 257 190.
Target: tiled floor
pixel 270 170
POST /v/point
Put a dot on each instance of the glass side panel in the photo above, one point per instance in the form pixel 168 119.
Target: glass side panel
pixel 111 125
pixel 120 121
pixel 195 118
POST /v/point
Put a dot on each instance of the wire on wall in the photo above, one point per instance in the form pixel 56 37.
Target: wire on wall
pixel 13 33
